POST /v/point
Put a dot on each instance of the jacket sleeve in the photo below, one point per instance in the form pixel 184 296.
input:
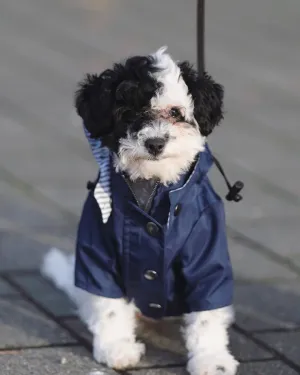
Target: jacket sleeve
pixel 96 267
pixel 207 270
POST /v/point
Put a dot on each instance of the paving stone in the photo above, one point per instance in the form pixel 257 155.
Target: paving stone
pixel 251 265
pixel 246 350
pixel 266 368
pixel 263 368
pixel 161 371
pixel 54 361
pixel 23 325
pixel 288 343
pixel 28 212
pixel 76 325
pixel 18 251
pixel 154 356
pixel 256 204
pixel 252 320
pixel 267 306
pixel 279 233
pixel 49 236
pixel 46 294
pixel 160 357
pixel 165 345
pixel 296 259
pixel 6 289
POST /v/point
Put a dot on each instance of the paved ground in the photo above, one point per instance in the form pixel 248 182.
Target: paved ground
pixel 46 46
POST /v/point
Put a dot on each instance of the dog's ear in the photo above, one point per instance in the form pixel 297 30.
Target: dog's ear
pixel 94 102
pixel 207 96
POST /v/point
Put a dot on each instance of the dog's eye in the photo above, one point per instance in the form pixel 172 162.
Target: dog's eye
pixel 174 112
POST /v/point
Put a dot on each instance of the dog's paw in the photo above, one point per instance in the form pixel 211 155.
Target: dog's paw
pixel 214 364
pixel 120 354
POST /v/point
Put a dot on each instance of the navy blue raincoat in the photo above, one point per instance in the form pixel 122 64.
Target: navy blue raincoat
pixel 170 261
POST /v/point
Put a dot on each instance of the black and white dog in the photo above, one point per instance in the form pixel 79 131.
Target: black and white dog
pixel 159 245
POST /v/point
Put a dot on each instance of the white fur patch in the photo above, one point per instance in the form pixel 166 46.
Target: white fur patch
pixel 111 321
pixel 174 91
pixel 59 267
pixel 207 340
pixel 184 143
pixel 184 139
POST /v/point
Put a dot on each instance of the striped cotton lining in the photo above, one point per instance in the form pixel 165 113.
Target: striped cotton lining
pixel 102 192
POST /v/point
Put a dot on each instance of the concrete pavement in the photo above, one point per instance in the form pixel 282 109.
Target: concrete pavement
pixel 253 49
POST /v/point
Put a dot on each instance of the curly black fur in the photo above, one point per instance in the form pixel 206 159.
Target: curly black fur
pixel 207 96
pixel 118 98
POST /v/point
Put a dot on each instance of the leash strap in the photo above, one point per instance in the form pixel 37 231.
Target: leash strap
pixel 233 190
pixel 200 36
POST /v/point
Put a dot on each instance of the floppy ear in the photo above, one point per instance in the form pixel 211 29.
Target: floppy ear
pixel 207 96
pixel 94 102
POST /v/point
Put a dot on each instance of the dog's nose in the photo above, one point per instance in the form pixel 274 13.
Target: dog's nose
pixel 155 145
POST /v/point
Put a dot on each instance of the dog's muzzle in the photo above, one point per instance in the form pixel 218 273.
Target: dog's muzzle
pixel 155 146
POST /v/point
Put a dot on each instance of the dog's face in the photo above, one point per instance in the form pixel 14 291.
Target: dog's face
pixel 153 113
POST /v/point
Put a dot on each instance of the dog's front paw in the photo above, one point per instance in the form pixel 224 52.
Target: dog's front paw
pixel 120 354
pixel 215 364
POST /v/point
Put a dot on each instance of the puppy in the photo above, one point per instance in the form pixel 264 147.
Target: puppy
pixel 152 235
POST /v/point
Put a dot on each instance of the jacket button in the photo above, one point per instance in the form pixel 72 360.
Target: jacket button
pixel 150 275
pixel 152 229
pixel 177 209
pixel 154 305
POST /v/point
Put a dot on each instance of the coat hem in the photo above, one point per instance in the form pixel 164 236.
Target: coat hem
pixel 209 307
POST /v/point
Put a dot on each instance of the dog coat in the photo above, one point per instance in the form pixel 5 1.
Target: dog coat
pixel 170 259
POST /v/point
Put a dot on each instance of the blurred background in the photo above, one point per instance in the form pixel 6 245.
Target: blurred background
pixel 252 48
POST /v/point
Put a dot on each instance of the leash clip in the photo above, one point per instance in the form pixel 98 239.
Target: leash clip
pixel 234 190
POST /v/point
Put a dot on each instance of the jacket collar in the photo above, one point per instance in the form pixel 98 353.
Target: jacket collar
pixel 199 169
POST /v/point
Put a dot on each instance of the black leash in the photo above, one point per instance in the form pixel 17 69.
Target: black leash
pixel 235 189
pixel 200 36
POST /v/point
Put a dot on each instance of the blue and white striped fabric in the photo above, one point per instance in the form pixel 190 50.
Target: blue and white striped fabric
pixel 102 192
